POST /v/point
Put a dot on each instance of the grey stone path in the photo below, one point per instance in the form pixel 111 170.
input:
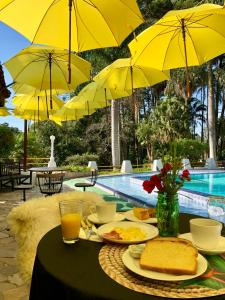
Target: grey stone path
pixel 11 284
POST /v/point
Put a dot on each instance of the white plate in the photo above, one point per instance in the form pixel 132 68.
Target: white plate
pixel 131 217
pixel 133 265
pixel 149 230
pixel 94 218
pixel 218 250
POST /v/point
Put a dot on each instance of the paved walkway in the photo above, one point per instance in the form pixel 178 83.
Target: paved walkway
pixel 11 284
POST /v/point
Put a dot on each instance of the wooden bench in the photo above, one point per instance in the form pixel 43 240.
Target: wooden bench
pixel 10 174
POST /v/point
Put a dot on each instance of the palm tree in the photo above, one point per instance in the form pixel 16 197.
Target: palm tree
pixel 211 114
pixel 115 132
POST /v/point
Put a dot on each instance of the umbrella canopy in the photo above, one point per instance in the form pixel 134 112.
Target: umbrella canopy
pixel 4 112
pixel 90 23
pixel 68 114
pixel 182 38
pixel 122 74
pixel 45 68
pixel 32 114
pixel 35 108
pixel 22 88
pixel 94 96
pixel 38 103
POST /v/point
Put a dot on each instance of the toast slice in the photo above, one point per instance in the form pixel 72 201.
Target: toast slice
pixel 170 255
pixel 141 213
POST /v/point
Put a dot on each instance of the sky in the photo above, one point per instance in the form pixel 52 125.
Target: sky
pixel 11 43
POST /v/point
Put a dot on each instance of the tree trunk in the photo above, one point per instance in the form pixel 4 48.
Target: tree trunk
pixel 211 114
pixel 115 133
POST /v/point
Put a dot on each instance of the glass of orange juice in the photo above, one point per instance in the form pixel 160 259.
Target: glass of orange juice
pixel 71 214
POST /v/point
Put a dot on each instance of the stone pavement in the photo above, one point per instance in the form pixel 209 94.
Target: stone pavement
pixel 11 284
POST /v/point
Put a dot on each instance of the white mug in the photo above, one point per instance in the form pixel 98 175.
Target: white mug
pixel 106 211
pixel 205 233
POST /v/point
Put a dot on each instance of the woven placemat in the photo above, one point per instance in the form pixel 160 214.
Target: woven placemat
pixel 110 259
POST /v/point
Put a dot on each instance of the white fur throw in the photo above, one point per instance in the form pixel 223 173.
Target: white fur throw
pixel 31 220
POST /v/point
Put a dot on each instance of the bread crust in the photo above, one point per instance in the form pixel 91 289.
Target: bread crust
pixel 171 263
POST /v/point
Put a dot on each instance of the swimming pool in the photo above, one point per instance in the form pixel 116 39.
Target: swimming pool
pixel 193 197
pixel 206 184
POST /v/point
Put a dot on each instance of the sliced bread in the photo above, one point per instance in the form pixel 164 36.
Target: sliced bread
pixel 141 213
pixel 170 255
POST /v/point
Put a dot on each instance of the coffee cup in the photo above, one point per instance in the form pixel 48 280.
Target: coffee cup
pixel 106 211
pixel 205 232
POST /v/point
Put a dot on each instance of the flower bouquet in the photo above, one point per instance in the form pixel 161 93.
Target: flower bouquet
pixel 168 182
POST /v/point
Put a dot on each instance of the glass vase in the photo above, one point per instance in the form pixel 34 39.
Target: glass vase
pixel 167 212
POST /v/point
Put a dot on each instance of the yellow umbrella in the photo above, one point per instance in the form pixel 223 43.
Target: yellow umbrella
pixel 182 38
pixel 95 23
pixel 45 68
pixel 122 74
pixel 34 106
pixel 94 96
pixel 4 112
pixel 68 114
pixel 31 114
pixel 22 88
pixel 73 24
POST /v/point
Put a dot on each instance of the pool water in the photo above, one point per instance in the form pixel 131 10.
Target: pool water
pixel 209 184
pixel 130 187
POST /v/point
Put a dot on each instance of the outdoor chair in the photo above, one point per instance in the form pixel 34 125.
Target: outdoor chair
pixel 50 184
pixel 93 180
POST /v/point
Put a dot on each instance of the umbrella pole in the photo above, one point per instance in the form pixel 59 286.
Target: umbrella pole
pixel 38 110
pixel 50 73
pixel 69 57
pixel 188 88
pixel 25 146
pixel 46 100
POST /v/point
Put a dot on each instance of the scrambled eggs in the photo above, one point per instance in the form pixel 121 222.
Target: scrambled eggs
pixel 130 233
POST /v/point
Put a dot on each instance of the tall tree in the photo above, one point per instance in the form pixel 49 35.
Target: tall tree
pixel 115 133
pixel 211 114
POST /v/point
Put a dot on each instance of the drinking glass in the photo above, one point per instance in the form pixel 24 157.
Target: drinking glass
pixel 71 214
pixel 216 208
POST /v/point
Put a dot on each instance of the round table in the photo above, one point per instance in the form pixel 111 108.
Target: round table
pixel 69 272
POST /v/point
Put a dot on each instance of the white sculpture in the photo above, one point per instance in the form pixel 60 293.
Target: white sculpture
pixel 52 163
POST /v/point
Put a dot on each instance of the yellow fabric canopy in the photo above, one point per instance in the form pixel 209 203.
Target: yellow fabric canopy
pixel 122 74
pixel 38 103
pixel 4 112
pixel 67 114
pixel 31 115
pixel 22 88
pixel 94 96
pixel 94 23
pixel 163 46
pixel 46 68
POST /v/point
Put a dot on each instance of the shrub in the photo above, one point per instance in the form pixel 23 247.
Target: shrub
pixel 192 149
pixel 81 160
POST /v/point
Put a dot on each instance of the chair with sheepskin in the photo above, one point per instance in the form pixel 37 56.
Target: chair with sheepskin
pixel 31 220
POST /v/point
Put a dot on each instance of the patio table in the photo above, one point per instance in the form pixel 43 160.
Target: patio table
pixel 72 272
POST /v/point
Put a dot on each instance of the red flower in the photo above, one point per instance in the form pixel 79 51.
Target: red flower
pixel 186 175
pixel 166 168
pixel 157 182
pixel 148 186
